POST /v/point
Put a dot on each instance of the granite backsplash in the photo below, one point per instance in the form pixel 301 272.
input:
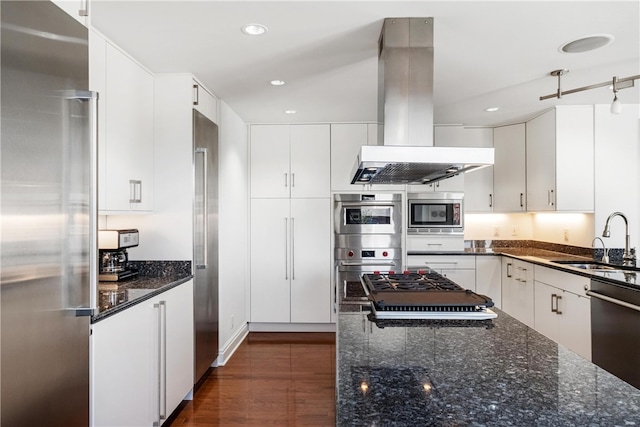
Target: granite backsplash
pixel 615 254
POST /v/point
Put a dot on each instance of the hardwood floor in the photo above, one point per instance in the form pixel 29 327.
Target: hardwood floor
pixel 273 379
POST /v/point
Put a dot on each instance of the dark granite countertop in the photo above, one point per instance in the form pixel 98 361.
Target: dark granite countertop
pixel 498 374
pixel 545 257
pixel 155 277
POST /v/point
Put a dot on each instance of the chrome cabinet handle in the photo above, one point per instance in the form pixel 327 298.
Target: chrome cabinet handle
pixel 554 298
pixel 522 200
pixel 84 11
pixel 558 298
pixel 550 197
pixel 196 95
pixel 509 266
pixel 286 244
pixel 293 260
pixel 159 354
pixel 135 191
pixel 293 179
pixel 490 200
pixel 286 181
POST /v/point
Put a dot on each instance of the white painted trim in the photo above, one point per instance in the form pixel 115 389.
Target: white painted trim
pixel 292 327
pixel 231 346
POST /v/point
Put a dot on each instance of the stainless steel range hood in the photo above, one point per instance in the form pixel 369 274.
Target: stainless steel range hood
pixel 405 153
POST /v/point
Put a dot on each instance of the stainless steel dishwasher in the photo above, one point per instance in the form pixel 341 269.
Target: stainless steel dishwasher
pixel 615 329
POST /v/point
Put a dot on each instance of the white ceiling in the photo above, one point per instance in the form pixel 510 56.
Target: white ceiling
pixel 487 53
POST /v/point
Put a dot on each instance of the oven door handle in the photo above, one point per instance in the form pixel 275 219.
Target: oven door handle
pixel 366 264
pixel 613 300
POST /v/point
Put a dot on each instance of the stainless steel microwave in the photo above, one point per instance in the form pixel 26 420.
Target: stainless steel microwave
pixel 435 213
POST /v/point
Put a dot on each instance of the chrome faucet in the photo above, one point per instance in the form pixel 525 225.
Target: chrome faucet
pixel 628 258
pixel 605 255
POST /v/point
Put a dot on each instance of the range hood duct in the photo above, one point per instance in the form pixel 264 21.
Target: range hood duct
pixel 405 153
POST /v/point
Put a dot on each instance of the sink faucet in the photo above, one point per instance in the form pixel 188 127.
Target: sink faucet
pixel 605 254
pixel 628 258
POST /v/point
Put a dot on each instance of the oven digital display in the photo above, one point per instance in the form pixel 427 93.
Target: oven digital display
pixel 368 254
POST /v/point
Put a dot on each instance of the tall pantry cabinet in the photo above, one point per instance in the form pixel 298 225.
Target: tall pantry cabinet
pixel 290 224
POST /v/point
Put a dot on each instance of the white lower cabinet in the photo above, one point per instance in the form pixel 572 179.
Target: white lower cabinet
pixel 291 260
pixel 459 268
pixel 517 290
pixel 143 360
pixel 489 278
pixel 562 311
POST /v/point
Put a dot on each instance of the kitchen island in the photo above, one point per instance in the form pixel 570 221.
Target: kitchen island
pixel 488 373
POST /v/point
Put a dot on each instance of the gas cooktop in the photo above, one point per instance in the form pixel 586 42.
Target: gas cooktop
pixel 424 294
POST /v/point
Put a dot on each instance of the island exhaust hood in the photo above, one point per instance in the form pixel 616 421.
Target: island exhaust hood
pixel 405 153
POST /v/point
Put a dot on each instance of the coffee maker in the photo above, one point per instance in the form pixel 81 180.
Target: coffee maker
pixel 114 259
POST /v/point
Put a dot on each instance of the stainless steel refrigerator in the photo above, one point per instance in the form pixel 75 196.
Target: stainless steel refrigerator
pixel 48 216
pixel 205 251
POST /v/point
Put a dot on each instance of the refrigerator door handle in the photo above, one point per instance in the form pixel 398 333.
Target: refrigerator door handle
pixel 91 97
pixel 201 264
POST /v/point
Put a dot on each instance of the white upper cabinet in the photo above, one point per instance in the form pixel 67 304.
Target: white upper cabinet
pixel 78 9
pixel 205 102
pixel 346 140
pixel 560 160
pixel 290 161
pixel 125 123
pixel 509 170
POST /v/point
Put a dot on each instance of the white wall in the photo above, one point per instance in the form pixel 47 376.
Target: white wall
pixel 617 181
pixel 495 226
pixel 233 231
pixel 575 229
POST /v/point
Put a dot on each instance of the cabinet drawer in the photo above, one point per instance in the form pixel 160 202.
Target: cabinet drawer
pixel 563 280
pixel 423 243
pixel 441 262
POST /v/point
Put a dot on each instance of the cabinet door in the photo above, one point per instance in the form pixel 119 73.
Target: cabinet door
pixel 179 348
pixel 576 323
pixel 489 278
pixel 310 260
pixel 270 175
pixel 346 140
pixel 310 161
pixel 547 321
pixel 125 368
pixel 205 102
pixel 518 291
pixel 129 134
pixel 509 172
pixel 270 263
pixel 464 278
pixel 98 83
pixel 541 162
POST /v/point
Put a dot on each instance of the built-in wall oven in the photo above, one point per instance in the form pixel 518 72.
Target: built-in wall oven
pixel 435 222
pixel 368 238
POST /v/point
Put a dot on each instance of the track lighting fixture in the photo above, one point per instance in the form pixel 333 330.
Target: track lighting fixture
pixel 616 106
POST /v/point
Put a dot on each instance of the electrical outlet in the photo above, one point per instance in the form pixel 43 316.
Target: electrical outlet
pixel 496 231
pixel 514 230
pixel 232 320
pixel 566 234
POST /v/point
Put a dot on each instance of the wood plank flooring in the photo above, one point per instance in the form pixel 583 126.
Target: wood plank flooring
pixel 273 379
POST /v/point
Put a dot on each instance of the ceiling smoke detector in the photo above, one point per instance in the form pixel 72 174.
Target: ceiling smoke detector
pixel 586 44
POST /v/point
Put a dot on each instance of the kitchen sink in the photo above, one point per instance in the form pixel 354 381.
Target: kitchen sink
pixel 590 265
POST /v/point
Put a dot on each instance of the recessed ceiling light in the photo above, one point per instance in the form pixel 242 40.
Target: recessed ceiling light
pixel 289 111
pixel 587 43
pixel 492 109
pixel 254 29
pixel 277 82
